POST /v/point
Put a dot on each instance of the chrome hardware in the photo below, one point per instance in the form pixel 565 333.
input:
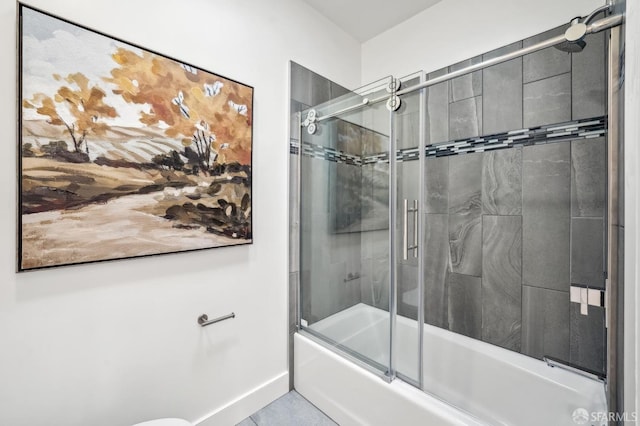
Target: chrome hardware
pixel 587 296
pixel 311 128
pixel 204 321
pixel 394 85
pixel 405 229
pixel 310 121
pixel 394 103
pixel 554 362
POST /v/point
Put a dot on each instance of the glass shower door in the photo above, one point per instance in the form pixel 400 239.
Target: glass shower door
pixel 344 223
pixel 409 161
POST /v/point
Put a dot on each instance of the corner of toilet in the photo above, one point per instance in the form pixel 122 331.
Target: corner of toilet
pixel 165 422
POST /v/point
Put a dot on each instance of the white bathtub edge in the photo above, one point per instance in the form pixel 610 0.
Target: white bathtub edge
pixel 353 396
pixel 248 403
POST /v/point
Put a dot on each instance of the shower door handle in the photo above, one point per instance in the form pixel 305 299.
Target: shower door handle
pixel 415 228
pixel 405 229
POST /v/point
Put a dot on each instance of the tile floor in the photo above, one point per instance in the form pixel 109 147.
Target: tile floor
pixel 289 410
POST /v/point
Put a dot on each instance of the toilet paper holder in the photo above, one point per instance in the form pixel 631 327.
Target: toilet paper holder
pixel 204 320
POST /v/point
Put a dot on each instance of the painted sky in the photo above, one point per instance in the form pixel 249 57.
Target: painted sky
pixel 52 46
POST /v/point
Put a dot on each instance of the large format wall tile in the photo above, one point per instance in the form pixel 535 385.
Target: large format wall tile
pixel 438 110
pixel 545 251
pixel 588 338
pixel 587 252
pixel 437 185
pixel 502 93
pixel 465 307
pixel 546 210
pixel 436 265
pixel 466 86
pixel 588 177
pixel 502 280
pixel 547 101
pixel 588 81
pixel 547 62
pixel 407 126
pixel 465 118
pixel 545 323
pixel 345 197
pixel 320 89
pixel 546 180
pixel 465 184
pixel 502 182
pixel 465 223
pixel 301 84
pixel 465 244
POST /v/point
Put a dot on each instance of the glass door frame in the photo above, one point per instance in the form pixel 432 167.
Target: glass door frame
pixel 394 249
pixel 393 240
pixel 330 110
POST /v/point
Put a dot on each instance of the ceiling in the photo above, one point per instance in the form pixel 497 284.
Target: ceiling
pixel 365 19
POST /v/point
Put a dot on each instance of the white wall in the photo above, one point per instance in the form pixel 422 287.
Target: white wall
pixel 116 343
pixel 454 30
pixel 632 207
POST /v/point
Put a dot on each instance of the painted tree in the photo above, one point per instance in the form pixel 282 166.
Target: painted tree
pixel 211 115
pixel 78 106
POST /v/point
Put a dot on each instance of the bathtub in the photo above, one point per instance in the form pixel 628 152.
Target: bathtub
pixel 482 384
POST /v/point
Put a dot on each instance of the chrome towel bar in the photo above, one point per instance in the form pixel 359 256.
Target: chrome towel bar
pixel 204 321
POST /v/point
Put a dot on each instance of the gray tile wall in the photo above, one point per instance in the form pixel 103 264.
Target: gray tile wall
pixel 545 317
pixel 501 91
pixel 308 88
pixel 502 280
pixel 521 225
pixel 506 232
pixel 504 247
pixel 546 207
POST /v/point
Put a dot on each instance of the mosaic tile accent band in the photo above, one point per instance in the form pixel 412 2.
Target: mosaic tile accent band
pixel 571 130
pixel 323 153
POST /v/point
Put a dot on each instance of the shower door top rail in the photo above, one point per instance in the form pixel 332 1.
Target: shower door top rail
pixel 600 25
pixel 595 27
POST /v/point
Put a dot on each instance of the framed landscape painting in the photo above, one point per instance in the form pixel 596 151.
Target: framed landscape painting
pixel 125 152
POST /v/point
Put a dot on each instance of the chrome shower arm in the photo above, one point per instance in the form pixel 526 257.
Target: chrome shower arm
pixel 606 8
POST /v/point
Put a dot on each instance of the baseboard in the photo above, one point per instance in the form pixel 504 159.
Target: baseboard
pixel 242 407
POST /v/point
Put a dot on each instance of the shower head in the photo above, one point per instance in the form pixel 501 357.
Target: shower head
pixel 571 47
pixel 574 37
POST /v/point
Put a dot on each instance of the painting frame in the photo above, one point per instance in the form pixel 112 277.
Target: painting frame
pixel 175 191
